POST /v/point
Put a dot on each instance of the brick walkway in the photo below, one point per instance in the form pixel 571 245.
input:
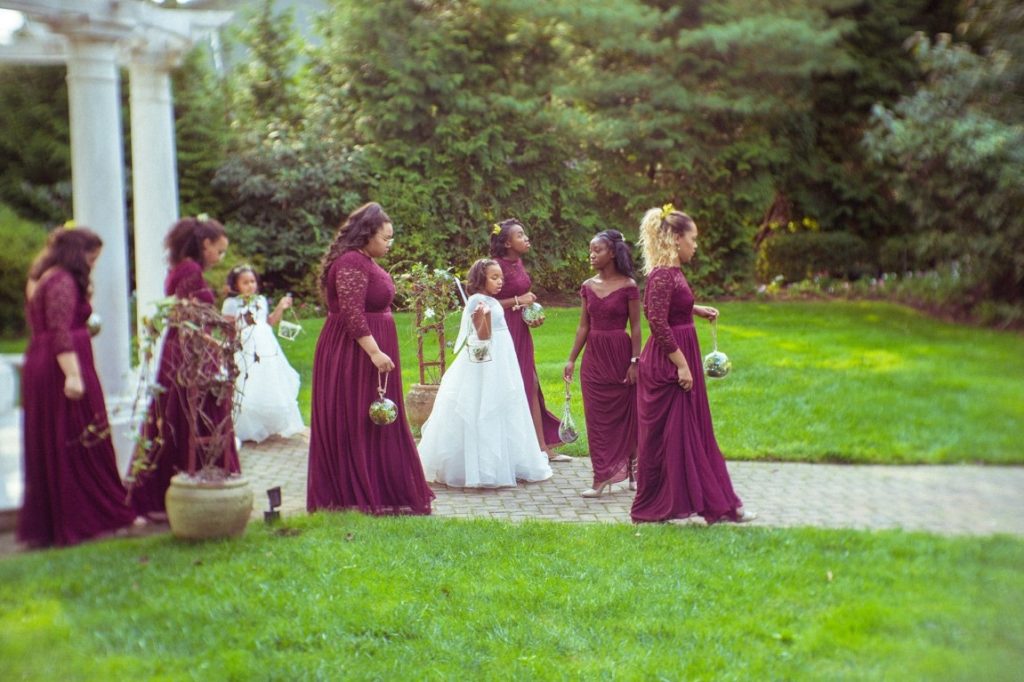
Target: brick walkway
pixel 951 500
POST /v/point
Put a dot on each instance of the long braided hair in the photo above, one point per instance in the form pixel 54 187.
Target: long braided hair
pixel 621 252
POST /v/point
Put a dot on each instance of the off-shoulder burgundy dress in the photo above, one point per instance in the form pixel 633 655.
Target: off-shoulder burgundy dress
pixel 72 488
pixel 354 463
pixel 609 405
pixel 517 282
pixel 680 470
pixel 166 418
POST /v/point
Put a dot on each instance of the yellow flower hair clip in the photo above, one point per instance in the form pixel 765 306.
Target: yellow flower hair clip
pixel 666 210
pixel 202 217
pixel 496 230
pixel 70 225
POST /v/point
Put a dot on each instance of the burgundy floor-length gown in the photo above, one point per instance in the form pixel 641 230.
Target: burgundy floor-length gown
pixel 167 418
pixel 680 470
pixel 354 463
pixel 609 405
pixel 517 282
pixel 72 488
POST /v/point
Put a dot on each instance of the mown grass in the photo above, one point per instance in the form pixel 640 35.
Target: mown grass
pixel 347 596
pixel 820 381
pixel 13 345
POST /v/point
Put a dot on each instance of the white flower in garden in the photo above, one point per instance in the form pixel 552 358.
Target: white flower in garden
pixel 428 313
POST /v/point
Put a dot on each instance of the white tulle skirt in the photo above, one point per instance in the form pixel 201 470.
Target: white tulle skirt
pixel 480 433
pixel 269 387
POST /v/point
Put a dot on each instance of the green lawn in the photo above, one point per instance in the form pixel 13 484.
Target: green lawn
pixel 12 345
pixel 814 381
pixel 822 381
pixel 345 596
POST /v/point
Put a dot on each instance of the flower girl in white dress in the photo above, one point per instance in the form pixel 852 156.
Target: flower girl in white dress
pixel 269 386
pixel 480 433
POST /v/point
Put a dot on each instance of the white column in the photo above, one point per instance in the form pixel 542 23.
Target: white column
pixel 97 185
pixel 154 175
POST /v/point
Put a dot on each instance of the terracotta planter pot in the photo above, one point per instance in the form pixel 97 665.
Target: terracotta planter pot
pixel 419 402
pixel 203 511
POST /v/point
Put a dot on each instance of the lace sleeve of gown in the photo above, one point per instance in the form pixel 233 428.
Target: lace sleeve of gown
pixel 350 284
pixel 191 284
pixel 60 296
pixel 660 287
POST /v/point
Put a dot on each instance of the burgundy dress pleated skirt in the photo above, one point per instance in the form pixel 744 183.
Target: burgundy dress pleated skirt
pixel 166 420
pixel 518 282
pixel 680 468
pixel 354 463
pixel 609 405
pixel 73 491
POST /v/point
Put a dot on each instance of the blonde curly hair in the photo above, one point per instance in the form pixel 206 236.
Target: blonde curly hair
pixel 658 231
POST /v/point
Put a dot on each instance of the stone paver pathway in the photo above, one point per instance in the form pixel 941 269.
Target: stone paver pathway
pixel 951 500
pixel 948 500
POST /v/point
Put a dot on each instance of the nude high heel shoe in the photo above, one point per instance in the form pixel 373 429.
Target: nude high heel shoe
pixel 598 491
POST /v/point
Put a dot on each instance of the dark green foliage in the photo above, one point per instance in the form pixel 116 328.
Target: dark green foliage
pixel 684 103
pixel 284 199
pixel 35 153
pixel 264 86
pixel 451 102
pixel 802 255
pixel 202 133
pixel 22 240
pixel 956 159
pixel 826 173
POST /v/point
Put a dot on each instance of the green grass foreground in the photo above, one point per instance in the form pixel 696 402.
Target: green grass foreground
pixel 347 596
pixel 863 382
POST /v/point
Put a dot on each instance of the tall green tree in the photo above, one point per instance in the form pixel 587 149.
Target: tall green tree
pixel 35 147
pixel 691 102
pixel 451 103
pixel 955 153
pixel 826 174
pixel 202 132
pixel 265 83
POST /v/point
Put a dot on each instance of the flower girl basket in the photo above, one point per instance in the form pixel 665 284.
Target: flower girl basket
pixel 289 330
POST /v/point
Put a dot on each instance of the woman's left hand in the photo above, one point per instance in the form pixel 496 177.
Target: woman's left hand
pixel 631 375
pixel 74 388
pixel 707 312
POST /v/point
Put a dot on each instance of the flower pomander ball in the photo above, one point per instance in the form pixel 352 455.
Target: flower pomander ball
pixel 533 315
pixel 383 411
pixel 717 364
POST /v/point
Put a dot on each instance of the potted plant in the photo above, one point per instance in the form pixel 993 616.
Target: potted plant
pixel 205 500
pixel 431 294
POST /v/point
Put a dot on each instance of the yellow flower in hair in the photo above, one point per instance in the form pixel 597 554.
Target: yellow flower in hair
pixel 666 210
pixel 70 225
pixel 497 229
pixel 203 217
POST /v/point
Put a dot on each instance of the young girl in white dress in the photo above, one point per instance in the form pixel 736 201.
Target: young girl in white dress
pixel 269 386
pixel 480 433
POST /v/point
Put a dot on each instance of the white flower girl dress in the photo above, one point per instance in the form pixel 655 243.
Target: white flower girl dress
pixel 480 433
pixel 269 386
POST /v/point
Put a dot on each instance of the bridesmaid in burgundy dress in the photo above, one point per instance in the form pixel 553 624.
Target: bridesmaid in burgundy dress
pixel 608 374
pixel 353 462
pixel 193 244
pixel 72 488
pixel 680 470
pixel 508 244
